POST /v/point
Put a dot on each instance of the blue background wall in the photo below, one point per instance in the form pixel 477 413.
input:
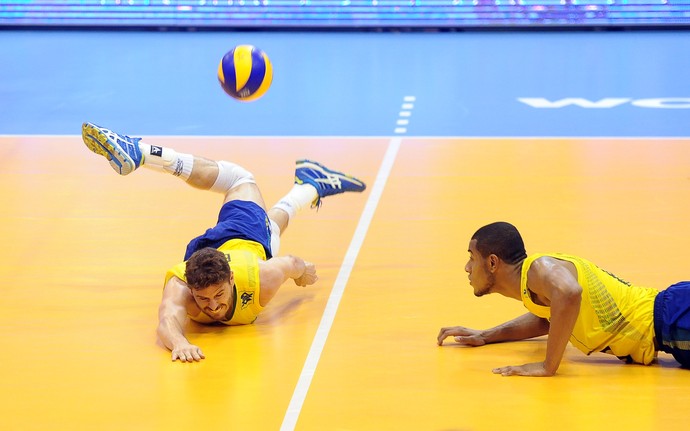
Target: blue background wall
pixel 350 84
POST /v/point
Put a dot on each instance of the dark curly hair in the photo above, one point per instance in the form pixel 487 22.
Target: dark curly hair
pixel 206 267
pixel 503 240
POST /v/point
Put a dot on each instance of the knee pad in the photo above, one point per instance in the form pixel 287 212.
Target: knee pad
pixel 231 175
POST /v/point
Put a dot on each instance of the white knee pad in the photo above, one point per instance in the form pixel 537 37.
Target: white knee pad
pixel 275 238
pixel 231 175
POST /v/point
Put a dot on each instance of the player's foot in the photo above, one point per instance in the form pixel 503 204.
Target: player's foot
pixel 122 151
pixel 326 181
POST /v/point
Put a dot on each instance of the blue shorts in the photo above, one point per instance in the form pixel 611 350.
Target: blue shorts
pixel 237 220
pixel 672 321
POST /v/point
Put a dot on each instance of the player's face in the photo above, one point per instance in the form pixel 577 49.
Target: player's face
pixel 214 300
pixel 477 268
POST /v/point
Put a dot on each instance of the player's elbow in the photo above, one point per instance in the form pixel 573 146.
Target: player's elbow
pixel 296 266
pixel 571 295
pixel 164 322
pixel 168 318
pixel 566 302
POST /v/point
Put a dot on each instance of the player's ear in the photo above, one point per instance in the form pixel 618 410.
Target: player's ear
pixel 493 262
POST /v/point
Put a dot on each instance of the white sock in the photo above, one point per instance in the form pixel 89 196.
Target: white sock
pixel 178 164
pixel 275 238
pixel 299 197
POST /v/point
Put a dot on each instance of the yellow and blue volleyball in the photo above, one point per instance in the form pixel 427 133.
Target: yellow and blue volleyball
pixel 245 73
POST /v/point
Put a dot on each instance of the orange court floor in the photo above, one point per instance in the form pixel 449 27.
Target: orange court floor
pixel 85 251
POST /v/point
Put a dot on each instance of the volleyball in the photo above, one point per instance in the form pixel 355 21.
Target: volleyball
pixel 245 73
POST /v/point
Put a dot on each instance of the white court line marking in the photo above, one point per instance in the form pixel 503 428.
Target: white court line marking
pixel 305 378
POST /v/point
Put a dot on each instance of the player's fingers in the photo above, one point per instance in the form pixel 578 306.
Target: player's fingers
pixel 504 371
pixel 453 331
pixel 468 340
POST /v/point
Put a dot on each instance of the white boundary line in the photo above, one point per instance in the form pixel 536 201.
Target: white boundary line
pixel 305 378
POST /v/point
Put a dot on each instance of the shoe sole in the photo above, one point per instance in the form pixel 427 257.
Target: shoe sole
pixel 99 143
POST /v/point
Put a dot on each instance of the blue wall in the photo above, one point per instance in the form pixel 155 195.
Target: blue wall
pixel 350 83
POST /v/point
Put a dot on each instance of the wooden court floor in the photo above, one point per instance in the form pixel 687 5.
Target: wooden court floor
pixel 84 254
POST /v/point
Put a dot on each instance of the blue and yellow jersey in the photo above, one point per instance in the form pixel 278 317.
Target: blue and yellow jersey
pixel 615 317
pixel 243 257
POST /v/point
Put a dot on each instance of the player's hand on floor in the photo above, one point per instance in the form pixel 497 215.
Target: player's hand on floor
pixel 309 277
pixel 535 369
pixel 462 335
pixel 187 353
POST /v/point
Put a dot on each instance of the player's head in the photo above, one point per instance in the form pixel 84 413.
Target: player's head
pixel 210 279
pixel 503 240
pixel 491 243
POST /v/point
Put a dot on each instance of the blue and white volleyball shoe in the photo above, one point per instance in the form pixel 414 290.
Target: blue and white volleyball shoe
pixel 326 181
pixel 122 152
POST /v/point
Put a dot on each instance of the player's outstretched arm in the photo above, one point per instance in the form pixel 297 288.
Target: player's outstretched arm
pixel 521 328
pixel 551 279
pixel 277 270
pixel 172 314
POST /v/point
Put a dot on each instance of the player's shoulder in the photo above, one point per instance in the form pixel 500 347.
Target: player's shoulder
pixel 177 290
pixel 547 262
pixel 545 267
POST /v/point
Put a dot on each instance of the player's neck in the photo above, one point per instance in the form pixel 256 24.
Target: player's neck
pixel 231 303
pixel 508 281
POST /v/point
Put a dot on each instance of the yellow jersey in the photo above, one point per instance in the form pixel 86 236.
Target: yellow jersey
pixel 615 317
pixel 243 257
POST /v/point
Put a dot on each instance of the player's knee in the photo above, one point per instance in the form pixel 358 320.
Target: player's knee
pixel 231 175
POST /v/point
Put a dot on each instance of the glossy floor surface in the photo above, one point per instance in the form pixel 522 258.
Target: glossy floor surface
pixel 85 253
pixel 580 139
